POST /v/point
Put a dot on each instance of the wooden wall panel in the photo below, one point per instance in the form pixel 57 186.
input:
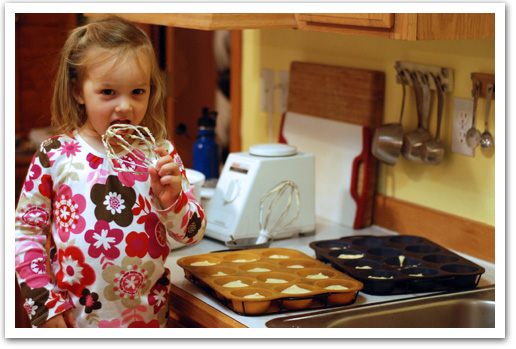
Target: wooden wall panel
pixel 453 232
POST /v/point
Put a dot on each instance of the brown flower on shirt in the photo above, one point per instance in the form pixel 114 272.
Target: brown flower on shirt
pixel 113 201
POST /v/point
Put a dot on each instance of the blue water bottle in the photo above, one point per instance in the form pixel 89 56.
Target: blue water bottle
pixel 206 150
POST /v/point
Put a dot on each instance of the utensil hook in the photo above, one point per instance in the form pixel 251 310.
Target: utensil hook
pixel 440 102
pixel 476 93
pixel 417 91
pixel 489 93
pixel 403 80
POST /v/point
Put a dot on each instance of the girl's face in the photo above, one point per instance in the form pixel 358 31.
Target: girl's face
pixel 114 93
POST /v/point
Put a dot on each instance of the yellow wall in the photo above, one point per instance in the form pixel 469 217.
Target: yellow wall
pixel 461 185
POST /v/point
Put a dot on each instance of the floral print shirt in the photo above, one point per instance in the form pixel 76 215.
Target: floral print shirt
pixel 109 239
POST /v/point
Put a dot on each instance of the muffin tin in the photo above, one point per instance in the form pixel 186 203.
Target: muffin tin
pixel 272 273
pixel 398 264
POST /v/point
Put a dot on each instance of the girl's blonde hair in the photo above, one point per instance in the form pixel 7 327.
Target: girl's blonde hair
pixel 120 39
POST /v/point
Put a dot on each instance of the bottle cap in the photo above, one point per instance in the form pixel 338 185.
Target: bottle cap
pixel 206 120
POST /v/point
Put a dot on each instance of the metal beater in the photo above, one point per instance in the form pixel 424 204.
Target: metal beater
pixel 268 226
pixel 136 160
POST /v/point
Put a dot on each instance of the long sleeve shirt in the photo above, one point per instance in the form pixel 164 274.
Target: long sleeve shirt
pixel 109 237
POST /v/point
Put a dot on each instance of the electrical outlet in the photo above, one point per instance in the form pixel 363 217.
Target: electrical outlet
pixel 462 122
pixel 267 90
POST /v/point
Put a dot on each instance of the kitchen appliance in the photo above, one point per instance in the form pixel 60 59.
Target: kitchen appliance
pixel 234 210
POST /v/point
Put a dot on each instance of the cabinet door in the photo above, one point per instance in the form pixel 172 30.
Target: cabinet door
pixel 383 25
pixel 450 26
pixel 192 78
pixel 374 20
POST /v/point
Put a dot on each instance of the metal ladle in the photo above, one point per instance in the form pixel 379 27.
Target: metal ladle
pixel 413 141
pixel 486 139
pixel 388 138
pixel 473 134
pixel 433 150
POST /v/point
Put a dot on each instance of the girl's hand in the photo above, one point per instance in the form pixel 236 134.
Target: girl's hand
pixel 62 320
pixel 165 179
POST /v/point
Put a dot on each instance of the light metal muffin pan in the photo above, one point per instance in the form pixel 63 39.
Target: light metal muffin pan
pixel 398 264
pixel 265 281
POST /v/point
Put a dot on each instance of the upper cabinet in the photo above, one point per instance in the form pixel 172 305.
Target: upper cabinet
pixel 401 26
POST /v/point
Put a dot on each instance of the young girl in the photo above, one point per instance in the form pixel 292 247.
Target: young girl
pixel 108 229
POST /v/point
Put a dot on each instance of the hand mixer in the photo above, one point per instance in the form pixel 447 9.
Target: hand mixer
pixel 273 196
pixel 136 160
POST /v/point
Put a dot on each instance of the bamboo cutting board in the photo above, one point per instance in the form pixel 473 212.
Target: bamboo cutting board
pixel 337 93
pixel 332 112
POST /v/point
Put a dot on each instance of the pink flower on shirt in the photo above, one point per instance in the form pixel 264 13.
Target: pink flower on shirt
pixel 34 173
pixel 94 161
pixel 132 161
pixel 70 149
pixel 35 216
pixel 68 209
pixel 103 240
pixel 157 232
pixel 158 294
pixel 34 269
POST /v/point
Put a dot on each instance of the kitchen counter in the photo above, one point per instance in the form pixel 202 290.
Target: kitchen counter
pixel 324 230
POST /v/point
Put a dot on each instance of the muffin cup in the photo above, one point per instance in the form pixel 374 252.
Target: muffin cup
pixel 250 306
pixel 296 301
pixel 338 297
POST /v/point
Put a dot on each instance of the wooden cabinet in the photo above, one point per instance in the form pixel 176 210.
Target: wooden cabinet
pixel 449 26
pixel 401 26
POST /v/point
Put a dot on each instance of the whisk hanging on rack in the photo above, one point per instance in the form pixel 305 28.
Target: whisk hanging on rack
pixel 136 160
pixel 269 225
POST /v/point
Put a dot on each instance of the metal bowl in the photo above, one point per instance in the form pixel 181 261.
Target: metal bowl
pixel 246 243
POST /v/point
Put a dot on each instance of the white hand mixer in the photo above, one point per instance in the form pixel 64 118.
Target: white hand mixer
pixel 273 197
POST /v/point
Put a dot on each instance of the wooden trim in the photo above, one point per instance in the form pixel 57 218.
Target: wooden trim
pixel 189 311
pixel 169 70
pixel 375 20
pixel 210 21
pixel 235 141
pixel 460 234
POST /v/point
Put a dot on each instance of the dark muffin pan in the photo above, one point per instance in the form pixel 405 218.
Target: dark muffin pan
pixel 398 264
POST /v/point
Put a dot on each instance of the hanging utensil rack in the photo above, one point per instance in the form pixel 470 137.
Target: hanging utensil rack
pixel 483 79
pixel 444 74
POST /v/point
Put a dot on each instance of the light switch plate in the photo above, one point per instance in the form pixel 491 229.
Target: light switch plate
pixel 462 122
pixel 283 91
